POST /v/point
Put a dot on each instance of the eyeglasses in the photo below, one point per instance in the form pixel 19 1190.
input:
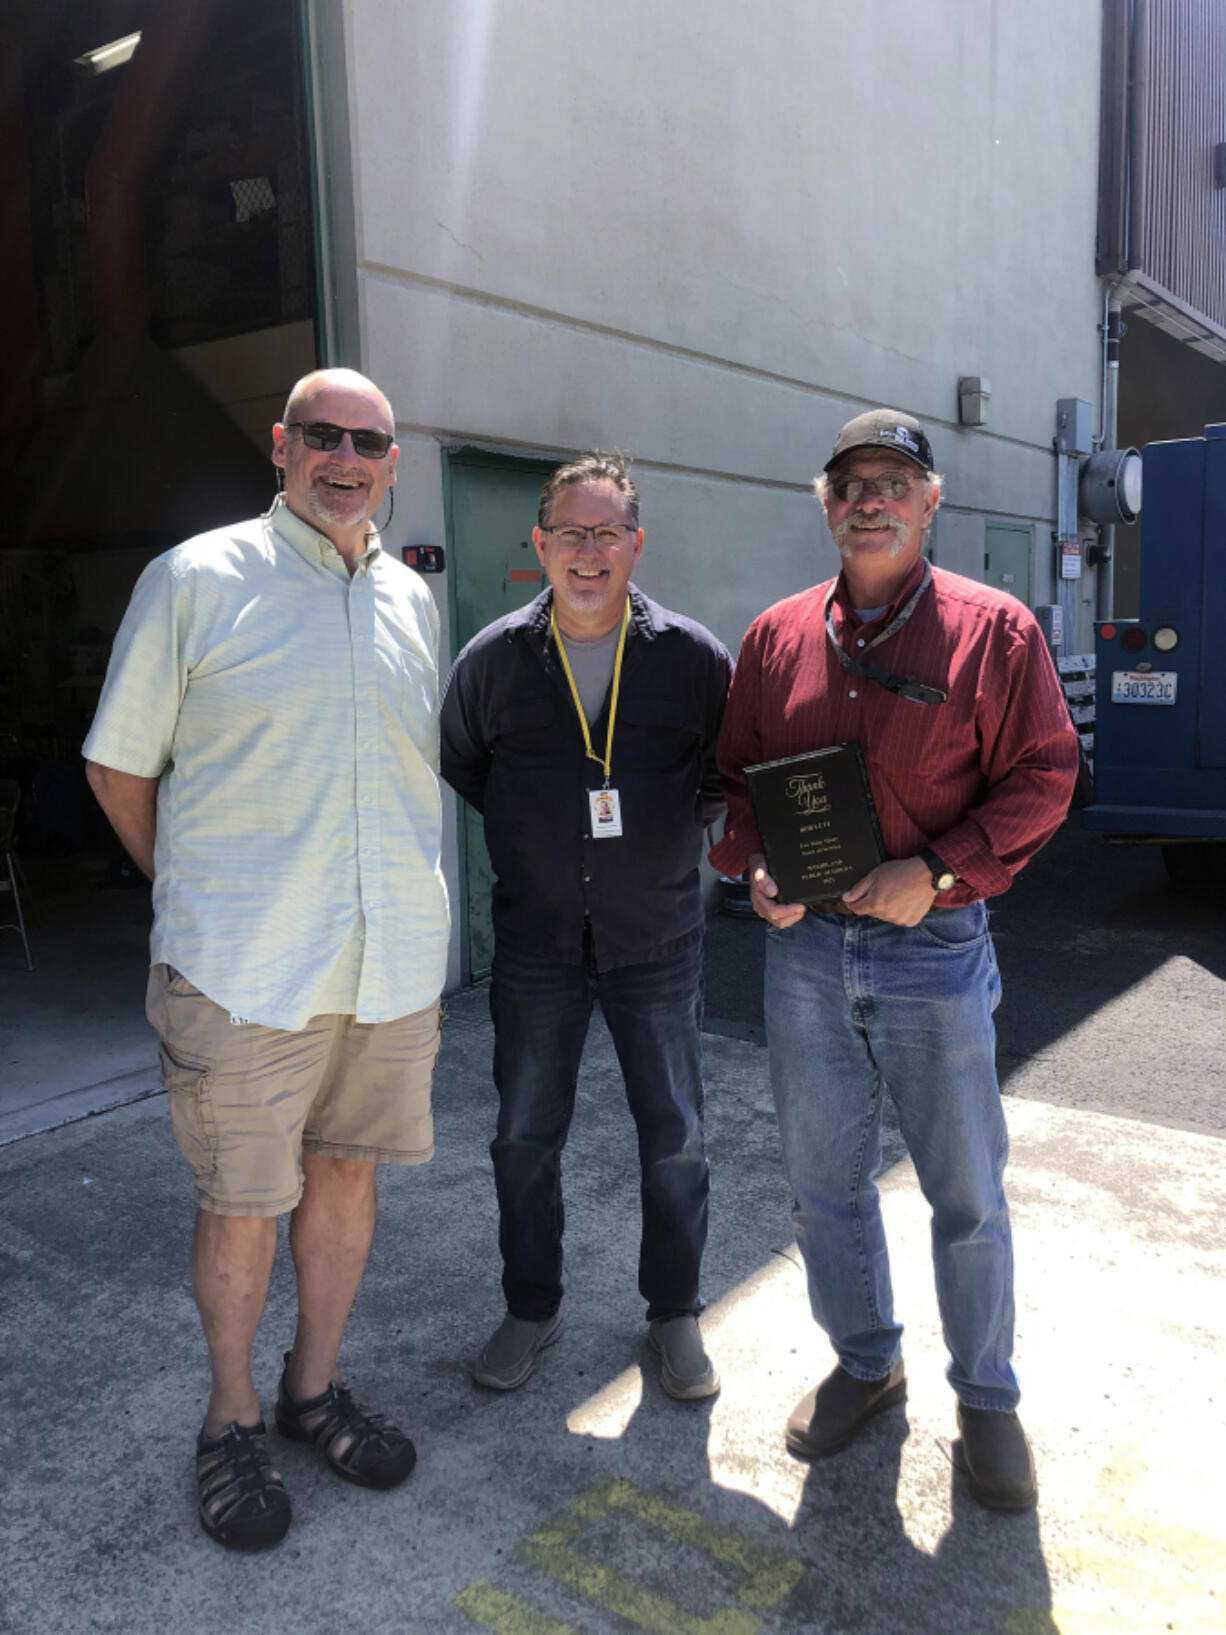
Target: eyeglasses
pixel 608 534
pixel 322 434
pixel 892 486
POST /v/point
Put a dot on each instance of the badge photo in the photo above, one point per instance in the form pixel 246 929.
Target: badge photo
pixel 606 813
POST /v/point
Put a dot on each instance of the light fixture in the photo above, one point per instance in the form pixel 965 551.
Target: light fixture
pixel 104 57
pixel 1109 488
pixel 974 396
pixel 1165 638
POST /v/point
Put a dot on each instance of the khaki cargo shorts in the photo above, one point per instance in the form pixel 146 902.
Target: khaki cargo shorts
pixel 246 1100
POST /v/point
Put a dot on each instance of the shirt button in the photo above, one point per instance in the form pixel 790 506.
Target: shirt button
pixel 852 693
pixel 587 879
pixel 860 643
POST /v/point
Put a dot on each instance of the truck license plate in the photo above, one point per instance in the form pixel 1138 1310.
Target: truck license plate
pixel 1143 686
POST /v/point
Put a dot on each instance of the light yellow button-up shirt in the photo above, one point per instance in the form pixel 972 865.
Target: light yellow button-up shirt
pixel 291 714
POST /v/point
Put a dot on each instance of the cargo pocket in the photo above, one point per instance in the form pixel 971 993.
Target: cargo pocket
pixel 187 1086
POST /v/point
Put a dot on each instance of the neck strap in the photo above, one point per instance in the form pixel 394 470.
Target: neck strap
pixel 903 686
pixel 607 762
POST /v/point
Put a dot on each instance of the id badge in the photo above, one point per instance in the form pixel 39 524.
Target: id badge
pixel 606 813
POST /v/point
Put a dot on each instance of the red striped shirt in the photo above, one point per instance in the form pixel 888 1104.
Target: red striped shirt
pixel 984 779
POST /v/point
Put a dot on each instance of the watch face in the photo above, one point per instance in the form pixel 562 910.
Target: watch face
pixel 943 877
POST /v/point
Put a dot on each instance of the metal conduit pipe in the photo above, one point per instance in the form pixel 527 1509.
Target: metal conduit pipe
pixel 1113 306
pixel 1117 287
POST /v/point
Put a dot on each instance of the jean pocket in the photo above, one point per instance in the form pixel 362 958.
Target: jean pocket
pixel 955 929
pixel 188 1085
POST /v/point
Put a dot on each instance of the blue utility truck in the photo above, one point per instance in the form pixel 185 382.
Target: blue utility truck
pixel 1160 713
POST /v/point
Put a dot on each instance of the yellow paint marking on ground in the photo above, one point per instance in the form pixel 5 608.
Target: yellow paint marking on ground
pixel 770 1575
pixel 1146 1575
pixel 1141 1571
pixel 1144 1592
pixel 1030 1621
pixel 1156 1588
pixel 1066 1620
pixel 617 1594
pixel 1195 1552
pixel 495 1610
pixel 1119 1503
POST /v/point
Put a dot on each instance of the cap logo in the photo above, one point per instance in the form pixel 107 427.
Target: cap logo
pixel 900 434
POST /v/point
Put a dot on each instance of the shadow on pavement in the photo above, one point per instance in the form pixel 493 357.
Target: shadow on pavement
pixel 1089 931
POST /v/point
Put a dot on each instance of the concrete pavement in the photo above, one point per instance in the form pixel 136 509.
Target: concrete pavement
pixel 73 1038
pixel 588 1501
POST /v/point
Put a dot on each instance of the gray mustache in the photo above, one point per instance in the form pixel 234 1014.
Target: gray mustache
pixel 848 525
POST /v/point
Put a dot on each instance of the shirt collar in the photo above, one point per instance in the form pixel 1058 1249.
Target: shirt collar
pixel 310 544
pixel 842 599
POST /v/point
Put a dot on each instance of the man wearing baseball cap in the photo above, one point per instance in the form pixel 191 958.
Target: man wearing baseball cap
pixel 948 688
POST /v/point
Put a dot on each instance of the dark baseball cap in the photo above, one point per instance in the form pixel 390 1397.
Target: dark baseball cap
pixel 884 428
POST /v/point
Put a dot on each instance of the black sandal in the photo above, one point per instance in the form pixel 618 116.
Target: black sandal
pixel 243 1502
pixel 376 1455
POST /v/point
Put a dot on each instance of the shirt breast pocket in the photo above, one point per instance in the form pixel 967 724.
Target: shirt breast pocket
pixel 654 734
pixel 529 727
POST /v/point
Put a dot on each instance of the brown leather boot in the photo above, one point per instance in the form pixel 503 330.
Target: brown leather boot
pixel 833 1414
pixel 994 1456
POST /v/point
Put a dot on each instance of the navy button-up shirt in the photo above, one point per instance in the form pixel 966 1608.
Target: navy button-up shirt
pixel 513 748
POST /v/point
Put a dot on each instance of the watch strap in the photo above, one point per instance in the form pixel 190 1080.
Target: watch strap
pixel 943 877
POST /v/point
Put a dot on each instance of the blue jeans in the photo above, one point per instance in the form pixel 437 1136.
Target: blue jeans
pixel 855 1007
pixel 541 1010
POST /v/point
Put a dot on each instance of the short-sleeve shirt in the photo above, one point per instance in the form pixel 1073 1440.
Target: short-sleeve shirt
pixel 290 712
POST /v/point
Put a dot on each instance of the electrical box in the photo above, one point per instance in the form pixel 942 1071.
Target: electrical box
pixel 974 398
pixel 1050 619
pixel 1074 426
pixel 425 558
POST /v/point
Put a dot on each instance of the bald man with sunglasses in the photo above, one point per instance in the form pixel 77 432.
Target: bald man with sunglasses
pixel 266 748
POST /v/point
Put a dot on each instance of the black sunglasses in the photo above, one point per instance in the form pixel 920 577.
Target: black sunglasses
pixel 323 435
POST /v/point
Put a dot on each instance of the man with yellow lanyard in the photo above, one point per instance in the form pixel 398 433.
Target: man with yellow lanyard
pixel 583 727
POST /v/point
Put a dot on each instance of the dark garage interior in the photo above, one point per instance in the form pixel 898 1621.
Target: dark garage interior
pixel 159 255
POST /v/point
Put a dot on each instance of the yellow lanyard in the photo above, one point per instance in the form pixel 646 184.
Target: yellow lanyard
pixel 607 762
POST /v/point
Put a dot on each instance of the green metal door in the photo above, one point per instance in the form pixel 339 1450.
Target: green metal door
pixel 1006 558
pixel 491 503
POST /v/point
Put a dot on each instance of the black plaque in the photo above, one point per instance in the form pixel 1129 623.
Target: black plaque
pixel 817 821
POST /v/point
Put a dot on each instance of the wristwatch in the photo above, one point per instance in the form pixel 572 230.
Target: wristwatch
pixel 943 877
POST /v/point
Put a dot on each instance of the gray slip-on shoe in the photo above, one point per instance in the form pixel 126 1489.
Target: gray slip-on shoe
pixel 686 1372
pixel 511 1351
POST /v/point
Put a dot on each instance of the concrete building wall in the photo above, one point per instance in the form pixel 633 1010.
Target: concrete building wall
pixel 707 236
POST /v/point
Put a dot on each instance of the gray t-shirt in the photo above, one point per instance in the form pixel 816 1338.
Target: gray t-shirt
pixel 591 664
